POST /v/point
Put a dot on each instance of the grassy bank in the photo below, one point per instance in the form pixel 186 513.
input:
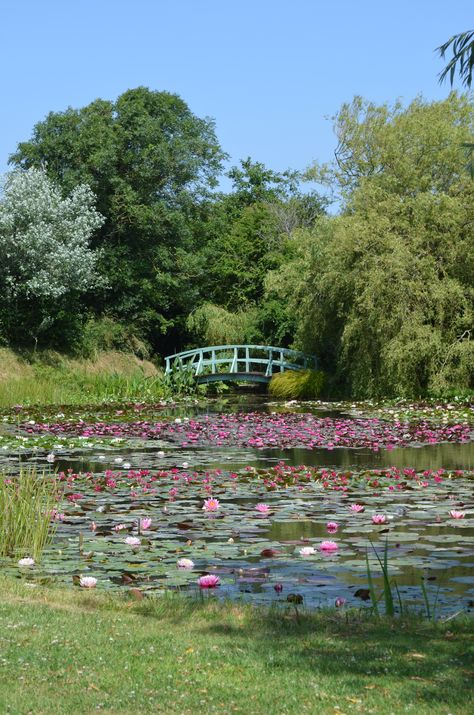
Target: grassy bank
pixel 81 651
pixel 51 378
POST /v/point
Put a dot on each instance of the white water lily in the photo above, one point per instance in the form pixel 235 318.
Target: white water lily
pixel 133 541
pixel 88 582
pixel 307 551
pixel 27 562
pixel 185 564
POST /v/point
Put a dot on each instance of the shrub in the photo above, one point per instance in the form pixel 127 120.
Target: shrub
pixel 298 385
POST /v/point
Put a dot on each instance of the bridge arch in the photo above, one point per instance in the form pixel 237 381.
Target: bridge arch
pixel 251 363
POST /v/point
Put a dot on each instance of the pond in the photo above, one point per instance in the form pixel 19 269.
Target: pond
pixel 279 501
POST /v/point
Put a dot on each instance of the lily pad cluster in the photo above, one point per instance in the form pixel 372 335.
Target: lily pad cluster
pixel 261 430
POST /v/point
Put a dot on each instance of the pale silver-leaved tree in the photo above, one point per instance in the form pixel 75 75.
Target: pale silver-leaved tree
pixel 44 238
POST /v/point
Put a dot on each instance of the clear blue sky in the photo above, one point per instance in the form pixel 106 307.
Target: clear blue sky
pixel 270 72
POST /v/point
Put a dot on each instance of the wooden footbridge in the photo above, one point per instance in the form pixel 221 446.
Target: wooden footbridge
pixel 251 363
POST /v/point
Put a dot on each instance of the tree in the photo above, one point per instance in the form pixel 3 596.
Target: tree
pixel 152 163
pixel 462 46
pixel 44 252
pixel 383 293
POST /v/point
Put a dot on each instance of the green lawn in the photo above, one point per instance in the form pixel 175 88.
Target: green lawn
pixel 66 651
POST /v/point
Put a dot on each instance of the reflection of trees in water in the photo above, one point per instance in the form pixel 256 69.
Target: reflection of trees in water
pixel 434 456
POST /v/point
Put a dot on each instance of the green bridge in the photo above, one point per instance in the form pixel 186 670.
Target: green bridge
pixel 252 363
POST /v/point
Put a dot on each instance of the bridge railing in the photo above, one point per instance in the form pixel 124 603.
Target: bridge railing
pixel 263 359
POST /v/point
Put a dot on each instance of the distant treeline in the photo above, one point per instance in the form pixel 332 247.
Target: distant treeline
pixel 113 235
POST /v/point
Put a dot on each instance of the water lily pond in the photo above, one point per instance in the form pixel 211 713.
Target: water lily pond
pixel 280 502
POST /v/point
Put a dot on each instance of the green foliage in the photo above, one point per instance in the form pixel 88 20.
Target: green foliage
pixel 213 325
pixel 462 61
pixel 51 378
pixel 383 293
pixel 298 385
pixel 180 381
pixel 151 163
pixel 105 334
pixel 26 504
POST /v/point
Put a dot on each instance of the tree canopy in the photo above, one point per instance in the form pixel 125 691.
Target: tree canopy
pixel 384 291
pixel 44 252
pixel 151 163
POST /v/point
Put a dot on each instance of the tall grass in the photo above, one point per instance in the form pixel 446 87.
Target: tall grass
pixel 26 505
pixel 298 385
pixel 53 379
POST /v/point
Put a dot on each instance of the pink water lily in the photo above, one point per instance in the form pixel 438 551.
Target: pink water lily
pixel 328 546
pixel 262 508
pixel 357 507
pixel 145 523
pixel 209 581
pixel 340 602
pixel 332 527
pixel 211 504
pixel 379 519
pixel 454 514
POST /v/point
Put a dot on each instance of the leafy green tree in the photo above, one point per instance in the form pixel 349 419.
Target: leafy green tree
pixel 248 229
pixel 151 163
pixel 383 293
pixel 46 259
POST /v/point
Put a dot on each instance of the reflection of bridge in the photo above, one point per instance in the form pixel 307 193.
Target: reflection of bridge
pixel 252 363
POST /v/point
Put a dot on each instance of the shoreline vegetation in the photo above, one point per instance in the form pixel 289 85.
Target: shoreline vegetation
pixel 62 650
pixel 52 378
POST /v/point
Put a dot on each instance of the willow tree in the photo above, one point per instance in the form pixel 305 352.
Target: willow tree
pixel 384 292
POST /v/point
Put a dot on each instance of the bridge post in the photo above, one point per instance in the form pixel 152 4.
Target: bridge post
pixel 167 363
pixel 281 361
pixel 247 360
pixel 234 366
pixel 213 361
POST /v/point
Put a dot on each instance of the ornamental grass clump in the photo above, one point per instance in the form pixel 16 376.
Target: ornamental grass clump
pixel 298 385
pixel 27 502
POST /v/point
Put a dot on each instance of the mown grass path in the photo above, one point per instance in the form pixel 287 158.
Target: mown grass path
pixel 71 651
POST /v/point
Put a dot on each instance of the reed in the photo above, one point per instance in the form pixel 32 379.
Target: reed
pixel 27 502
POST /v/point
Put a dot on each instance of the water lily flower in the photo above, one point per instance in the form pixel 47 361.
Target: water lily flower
pixel 133 541
pixel 211 504
pixel 88 582
pixel 50 457
pixel 209 581
pixel 454 514
pixel 357 508
pixel 185 564
pixel 379 519
pixel 328 546
pixel 118 460
pixel 160 454
pixel 263 508
pixel 93 526
pixel 26 562
pixel 340 602
pixel 278 587
pixel 120 527
pixel 332 527
pixel 307 551
pixel 145 523
pixel 126 465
